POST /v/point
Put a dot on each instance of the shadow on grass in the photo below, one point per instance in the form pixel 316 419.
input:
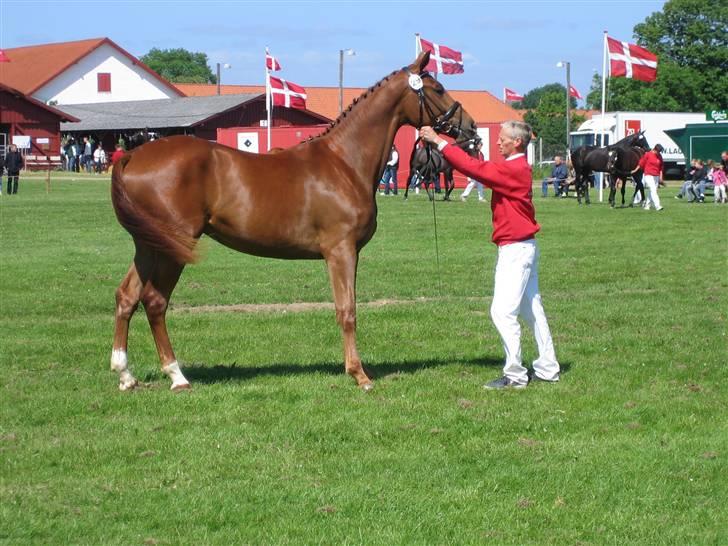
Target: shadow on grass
pixel 233 372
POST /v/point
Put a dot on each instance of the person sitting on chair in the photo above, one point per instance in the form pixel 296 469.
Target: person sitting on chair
pixel 558 175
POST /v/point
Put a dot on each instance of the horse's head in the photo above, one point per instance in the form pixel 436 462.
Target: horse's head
pixel 427 103
pixel 637 140
pixel 641 142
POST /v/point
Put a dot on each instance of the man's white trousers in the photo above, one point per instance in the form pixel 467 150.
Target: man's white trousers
pixel 516 293
pixel 653 198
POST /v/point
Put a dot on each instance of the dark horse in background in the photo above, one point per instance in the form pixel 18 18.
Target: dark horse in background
pixel 315 200
pixel 615 160
pixel 427 163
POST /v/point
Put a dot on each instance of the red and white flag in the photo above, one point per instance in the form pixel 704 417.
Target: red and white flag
pixel 443 59
pixel 574 92
pixel 271 63
pixel 509 95
pixel 631 61
pixel 287 94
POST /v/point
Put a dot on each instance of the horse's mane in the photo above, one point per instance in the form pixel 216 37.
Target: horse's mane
pixel 342 116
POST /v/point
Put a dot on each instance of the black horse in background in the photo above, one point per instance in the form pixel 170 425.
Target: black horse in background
pixel 617 160
pixel 427 163
pixel 622 162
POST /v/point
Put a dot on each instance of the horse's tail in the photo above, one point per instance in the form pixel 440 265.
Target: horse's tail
pixel 146 228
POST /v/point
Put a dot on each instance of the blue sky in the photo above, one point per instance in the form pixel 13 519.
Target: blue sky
pixel 515 44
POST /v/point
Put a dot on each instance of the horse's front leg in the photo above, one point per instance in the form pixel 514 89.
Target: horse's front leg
pixel 342 263
pixel 623 189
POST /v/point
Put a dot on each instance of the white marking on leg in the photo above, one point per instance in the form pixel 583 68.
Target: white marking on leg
pixel 175 374
pixel 119 364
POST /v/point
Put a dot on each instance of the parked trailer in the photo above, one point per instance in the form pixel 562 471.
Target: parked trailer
pixel 617 125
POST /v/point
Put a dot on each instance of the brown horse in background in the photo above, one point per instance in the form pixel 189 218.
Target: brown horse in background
pixel 313 201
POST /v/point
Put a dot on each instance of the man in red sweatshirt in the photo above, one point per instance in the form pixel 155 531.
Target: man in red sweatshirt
pixel 516 274
pixel 651 164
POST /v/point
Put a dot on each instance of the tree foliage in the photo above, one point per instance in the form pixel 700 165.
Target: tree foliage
pixel 690 39
pixel 179 65
pixel 547 116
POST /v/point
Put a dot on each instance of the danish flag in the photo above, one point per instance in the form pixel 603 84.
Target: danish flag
pixel 287 94
pixel 443 59
pixel 574 92
pixel 631 61
pixel 271 63
pixel 509 95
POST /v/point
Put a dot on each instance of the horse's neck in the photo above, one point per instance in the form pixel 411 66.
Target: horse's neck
pixel 364 138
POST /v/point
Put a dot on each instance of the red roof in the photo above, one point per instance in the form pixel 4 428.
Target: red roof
pixel 31 67
pixel 481 105
pixel 61 115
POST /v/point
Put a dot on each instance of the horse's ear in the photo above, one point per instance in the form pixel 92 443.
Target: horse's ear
pixel 420 63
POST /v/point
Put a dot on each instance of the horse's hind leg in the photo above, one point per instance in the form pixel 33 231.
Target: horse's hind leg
pixel 160 282
pixel 342 262
pixel 624 188
pixel 127 300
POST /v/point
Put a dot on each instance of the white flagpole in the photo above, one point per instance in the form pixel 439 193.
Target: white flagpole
pixel 268 102
pixel 604 102
pixel 504 94
pixel 418 44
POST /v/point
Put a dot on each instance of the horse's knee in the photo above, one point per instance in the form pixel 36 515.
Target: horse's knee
pixel 125 304
pixel 154 303
pixel 346 319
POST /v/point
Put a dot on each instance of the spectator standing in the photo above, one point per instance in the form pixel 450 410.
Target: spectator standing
pixel 2 168
pixel 557 178
pixel 390 172
pixel 651 165
pixel 472 183
pixel 117 155
pixel 99 159
pixel 88 154
pixel 516 289
pixel 724 161
pixel 13 163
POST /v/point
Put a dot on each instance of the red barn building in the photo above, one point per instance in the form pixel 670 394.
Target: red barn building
pixel 24 116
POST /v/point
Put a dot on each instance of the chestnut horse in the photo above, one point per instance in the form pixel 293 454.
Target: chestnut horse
pixel 313 201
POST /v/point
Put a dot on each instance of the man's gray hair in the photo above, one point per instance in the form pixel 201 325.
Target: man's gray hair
pixel 518 129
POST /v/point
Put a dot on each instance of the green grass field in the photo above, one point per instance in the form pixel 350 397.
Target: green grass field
pixel 276 445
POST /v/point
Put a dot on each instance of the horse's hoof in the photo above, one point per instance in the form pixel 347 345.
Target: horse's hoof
pixel 128 385
pixel 366 387
pixel 179 387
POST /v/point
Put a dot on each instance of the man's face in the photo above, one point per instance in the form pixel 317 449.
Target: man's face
pixel 557 160
pixel 724 155
pixel 506 143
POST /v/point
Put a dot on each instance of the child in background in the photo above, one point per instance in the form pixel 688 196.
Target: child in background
pixel 720 182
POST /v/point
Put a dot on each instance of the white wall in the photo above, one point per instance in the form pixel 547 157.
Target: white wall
pixel 78 84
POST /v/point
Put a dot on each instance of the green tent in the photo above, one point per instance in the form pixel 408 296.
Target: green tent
pixel 701 140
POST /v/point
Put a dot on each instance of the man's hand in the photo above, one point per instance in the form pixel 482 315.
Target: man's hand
pixel 428 134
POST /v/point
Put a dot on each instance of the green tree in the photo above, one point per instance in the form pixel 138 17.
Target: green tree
pixel 690 39
pixel 179 65
pixel 547 116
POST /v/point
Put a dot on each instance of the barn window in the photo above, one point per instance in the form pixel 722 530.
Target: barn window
pixel 104 82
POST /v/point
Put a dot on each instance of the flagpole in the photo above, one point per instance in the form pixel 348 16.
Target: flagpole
pixel 604 102
pixel 418 45
pixel 267 98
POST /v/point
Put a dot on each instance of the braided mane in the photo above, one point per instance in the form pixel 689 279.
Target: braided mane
pixel 340 119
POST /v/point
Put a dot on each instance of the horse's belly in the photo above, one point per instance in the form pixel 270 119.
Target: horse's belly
pixel 268 246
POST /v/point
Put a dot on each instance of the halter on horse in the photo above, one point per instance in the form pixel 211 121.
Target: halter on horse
pixel 315 200
pixel 587 159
